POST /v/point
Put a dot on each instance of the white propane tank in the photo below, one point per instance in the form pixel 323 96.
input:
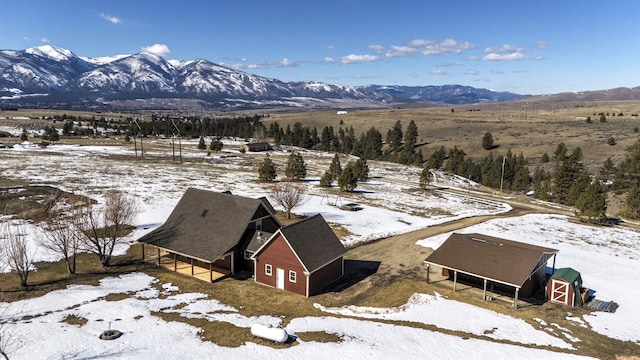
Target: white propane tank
pixel 270 333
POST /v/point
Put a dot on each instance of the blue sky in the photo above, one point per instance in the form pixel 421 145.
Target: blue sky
pixel 527 47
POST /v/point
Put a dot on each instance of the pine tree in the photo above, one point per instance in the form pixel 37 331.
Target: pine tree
pixel 335 168
pixel 592 203
pixel 326 180
pixel 394 136
pixel 267 169
pixel 348 180
pixel 216 145
pixel 426 178
pixel 361 169
pixel 631 208
pixel 487 141
pixel 296 168
pixel 201 144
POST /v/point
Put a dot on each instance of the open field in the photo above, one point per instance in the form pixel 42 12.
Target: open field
pixel 384 263
pixel 528 128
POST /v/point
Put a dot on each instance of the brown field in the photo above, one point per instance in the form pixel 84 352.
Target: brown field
pixel 528 128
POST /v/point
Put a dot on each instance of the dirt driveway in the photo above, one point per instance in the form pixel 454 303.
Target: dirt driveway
pixel 375 272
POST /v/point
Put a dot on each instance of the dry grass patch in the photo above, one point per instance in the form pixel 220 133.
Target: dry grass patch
pixel 75 320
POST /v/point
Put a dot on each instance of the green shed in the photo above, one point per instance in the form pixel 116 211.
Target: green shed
pixel 564 287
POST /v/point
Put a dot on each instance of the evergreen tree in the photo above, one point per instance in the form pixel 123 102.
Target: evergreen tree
pixel 631 208
pixel 201 143
pixel 67 128
pixel 267 169
pixel 348 180
pixel 436 159
pixel 411 135
pixel 426 178
pixel 361 169
pixel 592 203
pixel 456 157
pixel 296 168
pixel 216 145
pixel 544 158
pixel 335 168
pixel 560 152
pixel 578 188
pixel 326 180
pixel 394 136
pixel 487 141
pixel 24 136
pixel 541 184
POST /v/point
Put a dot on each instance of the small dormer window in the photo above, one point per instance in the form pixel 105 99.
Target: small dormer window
pixel 204 212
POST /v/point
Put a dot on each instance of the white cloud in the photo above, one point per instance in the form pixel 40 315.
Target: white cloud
pixel 288 63
pixel 506 48
pixel 428 47
pixel 472 72
pixel 158 49
pixel 401 51
pixel 328 60
pixel 111 19
pixel 536 57
pixel 44 40
pixel 438 72
pixel 355 59
pixel 541 45
pixel 377 48
pixel 514 56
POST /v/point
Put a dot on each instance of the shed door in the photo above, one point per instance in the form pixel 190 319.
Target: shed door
pixel 280 278
pixel 560 292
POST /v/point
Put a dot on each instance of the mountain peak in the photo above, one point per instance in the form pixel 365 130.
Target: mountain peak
pixel 52 52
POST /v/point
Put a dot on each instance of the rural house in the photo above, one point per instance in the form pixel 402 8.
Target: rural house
pixel 302 258
pixel 209 234
pixel 256 146
pixel 508 266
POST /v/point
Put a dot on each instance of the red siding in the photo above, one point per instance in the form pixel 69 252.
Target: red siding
pixel 279 255
pixel 325 276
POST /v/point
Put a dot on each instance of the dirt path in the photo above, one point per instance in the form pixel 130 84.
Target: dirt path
pixel 373 266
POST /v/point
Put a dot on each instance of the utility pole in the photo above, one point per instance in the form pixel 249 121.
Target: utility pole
pixel 502 176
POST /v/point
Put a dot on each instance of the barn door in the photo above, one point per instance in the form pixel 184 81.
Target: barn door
pixel 280 278
pixel 560 291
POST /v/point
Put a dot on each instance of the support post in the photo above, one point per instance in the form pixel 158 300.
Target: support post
pixel 553 269
pixel 428 267
pixel 484 291
pixel 455 279
pixel 515 299
pixel 159 262
pixel 191 267
pixel 210 272
pixel 142 251
pixel 175 262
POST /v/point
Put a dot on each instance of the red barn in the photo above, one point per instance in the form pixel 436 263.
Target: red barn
pixel 302 258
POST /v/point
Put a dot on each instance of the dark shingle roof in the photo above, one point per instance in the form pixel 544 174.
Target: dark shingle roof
pixel 314 242
pixel 505 261
pixel 205 224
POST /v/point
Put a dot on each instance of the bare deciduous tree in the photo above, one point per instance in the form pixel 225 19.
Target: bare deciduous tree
pixel 9 340
pixel 289 196
pixel 63 237
pixel 16 252
pixel 102 229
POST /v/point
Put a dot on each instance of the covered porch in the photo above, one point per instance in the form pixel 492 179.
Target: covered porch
pixel 197 268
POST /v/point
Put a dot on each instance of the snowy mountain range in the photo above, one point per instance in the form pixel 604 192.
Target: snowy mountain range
pixel 50 76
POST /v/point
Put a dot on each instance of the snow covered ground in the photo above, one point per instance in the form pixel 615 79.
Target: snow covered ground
pixel 388 208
